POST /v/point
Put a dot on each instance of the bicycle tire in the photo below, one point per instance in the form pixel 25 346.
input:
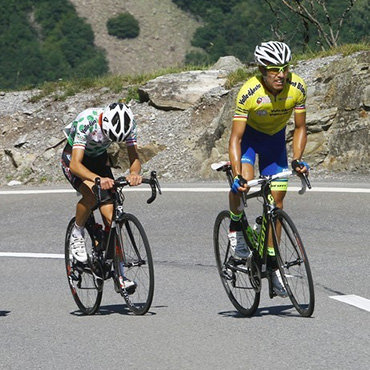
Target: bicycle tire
pixel 85 291
pixel 293 264
pixel 137 262
pixel 241 291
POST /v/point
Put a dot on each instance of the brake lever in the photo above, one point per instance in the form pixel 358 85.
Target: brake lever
pixel 307 181
pixel 154 184
pixel 153 175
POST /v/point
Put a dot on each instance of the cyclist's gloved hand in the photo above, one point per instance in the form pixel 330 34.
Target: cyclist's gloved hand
pixel 299 164
pixel 238 182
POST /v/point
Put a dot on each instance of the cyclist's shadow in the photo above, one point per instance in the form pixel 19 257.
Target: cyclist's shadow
pixel 281 310
pixel 120 309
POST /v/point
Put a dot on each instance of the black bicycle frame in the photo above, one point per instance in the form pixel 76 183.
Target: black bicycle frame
pixel 267 214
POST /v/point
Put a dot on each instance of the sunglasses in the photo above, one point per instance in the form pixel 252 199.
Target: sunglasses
pixel 275 70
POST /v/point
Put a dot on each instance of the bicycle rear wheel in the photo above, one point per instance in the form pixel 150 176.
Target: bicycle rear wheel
pixel 293 264
pixel 235 274
pixel 86 292
pixel 133 260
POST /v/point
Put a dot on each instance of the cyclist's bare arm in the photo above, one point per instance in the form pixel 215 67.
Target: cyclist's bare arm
pixel 299 138
pixel 134 178
pixel 237 132
pixel 78 169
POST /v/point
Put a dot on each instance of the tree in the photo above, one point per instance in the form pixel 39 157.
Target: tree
pixel 43 40
pixel 316 13
pixel 123 26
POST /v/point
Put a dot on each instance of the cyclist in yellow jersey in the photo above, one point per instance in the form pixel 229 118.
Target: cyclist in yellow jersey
pixel 263 107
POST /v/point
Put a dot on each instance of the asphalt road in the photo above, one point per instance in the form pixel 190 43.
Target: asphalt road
pixel 191 324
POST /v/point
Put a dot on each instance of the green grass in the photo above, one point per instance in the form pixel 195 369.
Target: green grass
pixel 61 90
pixel 128 85
pixel 345 50
pixel 239 75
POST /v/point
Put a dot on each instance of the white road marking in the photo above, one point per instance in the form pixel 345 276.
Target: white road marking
pixel 354 300
pixel 351 299
pixel 188 190
pixel 32 255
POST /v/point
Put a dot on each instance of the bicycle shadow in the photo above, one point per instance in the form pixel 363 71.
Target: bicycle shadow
pixel 281 310
pixel 4 313
pixel 120 309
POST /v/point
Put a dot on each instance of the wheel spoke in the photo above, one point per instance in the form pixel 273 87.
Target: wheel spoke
pixel 86 291
pixel 137 262
pixel 236 275
pixel 294 265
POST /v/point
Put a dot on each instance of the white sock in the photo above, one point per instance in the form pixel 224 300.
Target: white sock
pixel 78 231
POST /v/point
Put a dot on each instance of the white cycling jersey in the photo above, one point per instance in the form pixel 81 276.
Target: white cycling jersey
pixel 85 133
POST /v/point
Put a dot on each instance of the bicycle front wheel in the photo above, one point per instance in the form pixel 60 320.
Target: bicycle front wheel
pixel 133 260
pixel 86 290
pixel 293 264
pixel 236 275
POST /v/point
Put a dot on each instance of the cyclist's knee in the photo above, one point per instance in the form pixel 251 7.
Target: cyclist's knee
pixel 107 211
pixel 279 198
pixel 88 196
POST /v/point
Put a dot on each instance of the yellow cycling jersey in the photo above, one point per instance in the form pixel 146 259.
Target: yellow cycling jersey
pixel 264 111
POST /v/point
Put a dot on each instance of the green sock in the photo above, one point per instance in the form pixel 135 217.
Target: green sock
pixel 271 251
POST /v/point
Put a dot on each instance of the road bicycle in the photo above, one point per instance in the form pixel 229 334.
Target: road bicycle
pixel 242 278
pixel 123 252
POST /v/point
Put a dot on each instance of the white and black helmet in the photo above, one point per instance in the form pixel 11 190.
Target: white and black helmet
pixel 272 52
pixel 117 122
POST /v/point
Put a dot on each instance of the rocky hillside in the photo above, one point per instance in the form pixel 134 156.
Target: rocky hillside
pixel 165 33
pixel 184 122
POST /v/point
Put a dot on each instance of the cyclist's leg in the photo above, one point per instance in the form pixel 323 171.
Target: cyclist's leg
pixel 84 188
pixel 236 238
pixel 273 159
pixel 248 157
pixel 100 166
pixel 84 205
pixel 235 201
pixel 77 232
pixel 82 282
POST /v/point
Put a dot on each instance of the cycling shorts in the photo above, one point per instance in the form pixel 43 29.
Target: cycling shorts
pixel 99 165
pixel 271 150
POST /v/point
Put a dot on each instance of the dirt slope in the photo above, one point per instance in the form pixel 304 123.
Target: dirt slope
pixel 165 33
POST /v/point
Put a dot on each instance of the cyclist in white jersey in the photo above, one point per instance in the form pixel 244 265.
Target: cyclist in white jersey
pixel 85 158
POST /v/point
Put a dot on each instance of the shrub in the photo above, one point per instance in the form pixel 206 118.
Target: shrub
pixel 123 26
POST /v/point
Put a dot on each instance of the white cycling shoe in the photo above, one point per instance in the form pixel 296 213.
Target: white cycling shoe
pixel 238 245
pixel 125 284
pixel 78 249
pixel 278 285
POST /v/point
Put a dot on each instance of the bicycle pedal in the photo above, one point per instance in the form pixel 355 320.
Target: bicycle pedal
pixel 123 291
pixel 131 290
pixel 73 277
pixel 227 274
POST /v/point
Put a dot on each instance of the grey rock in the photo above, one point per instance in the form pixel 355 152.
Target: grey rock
pixel 184 124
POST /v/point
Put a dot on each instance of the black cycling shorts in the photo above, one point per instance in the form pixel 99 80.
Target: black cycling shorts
pixel 99 165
